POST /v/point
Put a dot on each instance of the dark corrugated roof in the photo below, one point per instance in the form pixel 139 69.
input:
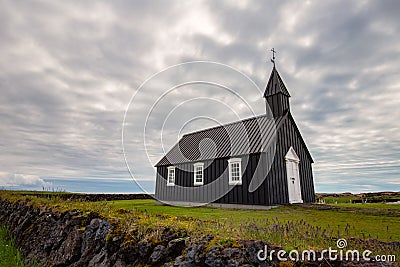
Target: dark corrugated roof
pixel 275 85
pixel 243 137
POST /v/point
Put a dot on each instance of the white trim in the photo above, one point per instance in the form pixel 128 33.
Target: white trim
pixel 231 161
pixel 171 169
pixel 198 164
pixel 292 155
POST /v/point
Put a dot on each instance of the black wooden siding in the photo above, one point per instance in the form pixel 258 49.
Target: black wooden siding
pixel 289 135
pixel 278 104
pixel 273 190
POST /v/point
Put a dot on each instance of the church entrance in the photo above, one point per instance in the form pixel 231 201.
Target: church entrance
pixel 292 170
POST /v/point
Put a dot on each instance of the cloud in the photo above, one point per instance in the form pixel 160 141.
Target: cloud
pixel 68 70
pixel 21 180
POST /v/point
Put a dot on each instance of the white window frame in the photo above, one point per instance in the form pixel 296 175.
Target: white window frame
pixel 230 163
pixel 171 170
pixel 195 166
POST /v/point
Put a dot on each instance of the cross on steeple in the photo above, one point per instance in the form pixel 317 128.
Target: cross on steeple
pixel 276 95
pixel 273 56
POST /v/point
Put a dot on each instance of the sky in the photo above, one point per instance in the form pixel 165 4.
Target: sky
pixel 71 71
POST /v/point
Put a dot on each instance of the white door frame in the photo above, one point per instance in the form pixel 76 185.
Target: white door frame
pixel 293 176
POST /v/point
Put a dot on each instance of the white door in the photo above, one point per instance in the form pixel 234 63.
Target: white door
pixel 292 170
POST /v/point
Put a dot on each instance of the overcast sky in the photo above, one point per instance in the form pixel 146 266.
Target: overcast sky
pixel 68 70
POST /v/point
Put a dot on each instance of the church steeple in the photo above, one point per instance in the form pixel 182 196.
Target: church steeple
pixel 276 95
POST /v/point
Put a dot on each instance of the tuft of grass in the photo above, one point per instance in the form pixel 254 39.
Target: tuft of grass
pixel 9 254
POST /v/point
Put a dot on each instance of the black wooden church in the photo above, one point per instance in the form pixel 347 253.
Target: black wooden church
pixel 261 160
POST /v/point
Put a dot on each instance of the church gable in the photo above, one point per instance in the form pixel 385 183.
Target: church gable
pixel 291 155
pixel 298 135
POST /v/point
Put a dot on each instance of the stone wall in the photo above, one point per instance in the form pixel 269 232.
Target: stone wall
pixel 70 239
pixel 51 238
pixel 91 197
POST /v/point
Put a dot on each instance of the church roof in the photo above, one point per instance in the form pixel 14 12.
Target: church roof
pixel 275 85
pixel 248 136
pixel 243 137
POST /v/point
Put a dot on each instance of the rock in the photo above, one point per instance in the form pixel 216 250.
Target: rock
pixel 70 250
pixel 94 239
pixel 194 254
pixel 175 247
pixel 168 234
pixel 113 243
pixel 159 253
pixel 163 253
pixel 120 263
pixel 143 248
pixel 100 260
pixel 128 253
pixel 252 248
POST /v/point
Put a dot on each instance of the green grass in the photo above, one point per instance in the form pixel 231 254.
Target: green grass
pixel 342 199
pixel 347 198
pixel 370 206
pixel 9 254
pixel 362 224
pixel 291 226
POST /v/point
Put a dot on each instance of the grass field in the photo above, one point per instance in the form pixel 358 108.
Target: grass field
pixel 9 254
pixel 365 226
pixel 370 206
pixel 362 220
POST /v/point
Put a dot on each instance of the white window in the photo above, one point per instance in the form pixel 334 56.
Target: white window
pixel 171 176
pixel 198 174
pixel 235 171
